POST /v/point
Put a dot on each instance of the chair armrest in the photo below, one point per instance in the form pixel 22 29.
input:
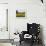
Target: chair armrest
pixel 24 32
pixel 22 35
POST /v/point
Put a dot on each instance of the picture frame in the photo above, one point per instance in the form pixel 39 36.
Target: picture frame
pixel 20 13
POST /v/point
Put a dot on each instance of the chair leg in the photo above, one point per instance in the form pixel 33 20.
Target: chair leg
pixel 20 42
pixel 32 42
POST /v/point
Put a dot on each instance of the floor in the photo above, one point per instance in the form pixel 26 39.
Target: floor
pixel 22 44
pixel 26 44
pixel 5 44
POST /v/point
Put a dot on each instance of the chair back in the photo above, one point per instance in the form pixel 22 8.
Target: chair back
pixel 33 28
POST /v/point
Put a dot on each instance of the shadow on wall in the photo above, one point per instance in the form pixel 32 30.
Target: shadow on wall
pixel 41 34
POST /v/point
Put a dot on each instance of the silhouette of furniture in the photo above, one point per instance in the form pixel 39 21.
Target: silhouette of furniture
pixel 33 30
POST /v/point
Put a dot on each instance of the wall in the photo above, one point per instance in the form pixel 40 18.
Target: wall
pixel 35 12
pixel 3 1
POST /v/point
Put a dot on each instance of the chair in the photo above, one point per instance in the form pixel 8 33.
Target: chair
pixel 33 30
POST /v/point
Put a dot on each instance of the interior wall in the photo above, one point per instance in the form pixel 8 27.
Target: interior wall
pixel 35 13
pixel 3 1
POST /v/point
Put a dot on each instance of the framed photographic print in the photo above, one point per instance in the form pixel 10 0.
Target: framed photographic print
pixel 20 13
